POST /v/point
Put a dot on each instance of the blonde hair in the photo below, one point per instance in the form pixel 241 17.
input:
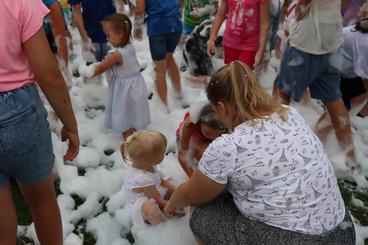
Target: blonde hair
pixel 141 145
pixel 236 84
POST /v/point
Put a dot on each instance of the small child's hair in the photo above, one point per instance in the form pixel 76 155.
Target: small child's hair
pixel 207 116
pixel 236 84
pixel 141 145
pixel 362 25
pixel 120 22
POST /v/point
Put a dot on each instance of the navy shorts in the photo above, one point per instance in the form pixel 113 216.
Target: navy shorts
pixel 319 73
pixel 26 152
pixel 163 44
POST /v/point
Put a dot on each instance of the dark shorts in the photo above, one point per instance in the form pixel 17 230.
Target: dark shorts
pixel 300 70
pixel 350 88
pixel 220 222
pixel 163 44
pixel 26 152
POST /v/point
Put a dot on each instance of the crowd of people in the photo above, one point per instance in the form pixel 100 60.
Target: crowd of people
pixel 257 173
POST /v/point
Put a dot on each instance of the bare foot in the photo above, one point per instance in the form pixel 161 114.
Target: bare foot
pixel 128 133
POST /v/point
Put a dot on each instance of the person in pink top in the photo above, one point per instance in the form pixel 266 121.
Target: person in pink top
pixel 246 32
pixel 26 153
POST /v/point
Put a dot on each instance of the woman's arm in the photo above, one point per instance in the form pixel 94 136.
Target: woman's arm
pixel 199 189
pixel 264 19
pixel 58 28
pixel 47 74
pixel 111 60
pixel 140 7
pixel 219 19
pixel 182 158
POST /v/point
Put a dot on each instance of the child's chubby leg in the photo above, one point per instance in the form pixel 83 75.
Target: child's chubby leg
pixel 152 213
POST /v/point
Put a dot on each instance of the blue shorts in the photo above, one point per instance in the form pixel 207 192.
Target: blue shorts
pixel 26 152
pixel 163 44
pixel 300 70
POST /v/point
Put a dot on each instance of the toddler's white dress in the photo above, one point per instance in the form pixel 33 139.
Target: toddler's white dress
pixel 138 178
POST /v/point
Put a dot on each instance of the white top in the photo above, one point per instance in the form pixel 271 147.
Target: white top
pixel 355 51
pixel 320 31
pixel 137 178
pixel 277 173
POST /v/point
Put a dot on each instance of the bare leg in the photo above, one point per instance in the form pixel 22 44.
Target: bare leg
pixel 359 100
pixel 41 198
pixel 128 132
pixel 161 86
pixel 174 74
pixel 323 127
pixel 341 124
pixel 279 94
pixel 152 213
pixel 8 217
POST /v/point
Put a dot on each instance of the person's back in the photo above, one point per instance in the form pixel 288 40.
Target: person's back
pixel 320 31
pixel 278 168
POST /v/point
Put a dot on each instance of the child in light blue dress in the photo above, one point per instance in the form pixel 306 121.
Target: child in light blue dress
pixel 127 108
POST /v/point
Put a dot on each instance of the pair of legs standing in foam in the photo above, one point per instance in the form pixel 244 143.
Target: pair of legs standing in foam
pixel 27 156
pixel 299 71
pixel 162 49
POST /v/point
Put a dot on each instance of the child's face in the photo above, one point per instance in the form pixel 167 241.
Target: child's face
pixel 114 37
pixel 210 133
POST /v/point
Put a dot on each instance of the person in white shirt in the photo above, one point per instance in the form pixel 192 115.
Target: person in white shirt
pixel 310 62
pixel 281 186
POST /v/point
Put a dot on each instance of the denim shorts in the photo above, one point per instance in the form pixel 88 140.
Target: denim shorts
pixel 163 44
pixel 26 152
pixel 319 73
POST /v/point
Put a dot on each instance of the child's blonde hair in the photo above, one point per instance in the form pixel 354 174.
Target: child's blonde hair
pixel 236 84
pixel 120 22
pixel 141 145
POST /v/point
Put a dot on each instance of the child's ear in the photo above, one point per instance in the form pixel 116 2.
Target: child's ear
pixel 221 108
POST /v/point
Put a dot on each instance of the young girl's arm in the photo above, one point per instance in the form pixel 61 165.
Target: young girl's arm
pixel 186 132
pixel 111 60
pixel 140 7
pixel 263 34
pixel 168 185
pixel 219 19
pixel 201 146
pixel 153 193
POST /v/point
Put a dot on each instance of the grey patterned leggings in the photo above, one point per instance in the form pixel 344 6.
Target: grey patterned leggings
pixel 220 222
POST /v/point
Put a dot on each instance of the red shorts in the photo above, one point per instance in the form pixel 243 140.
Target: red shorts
pixel 247 57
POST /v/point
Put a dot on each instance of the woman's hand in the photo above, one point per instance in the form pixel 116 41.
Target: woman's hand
pixel 259 58
pixel 73 144
pixel 170 210
pixel 211 47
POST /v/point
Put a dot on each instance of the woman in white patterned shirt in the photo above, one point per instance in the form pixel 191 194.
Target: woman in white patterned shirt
pixel 280 186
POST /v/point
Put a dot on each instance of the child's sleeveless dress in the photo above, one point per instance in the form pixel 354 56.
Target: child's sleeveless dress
pixel 127 99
